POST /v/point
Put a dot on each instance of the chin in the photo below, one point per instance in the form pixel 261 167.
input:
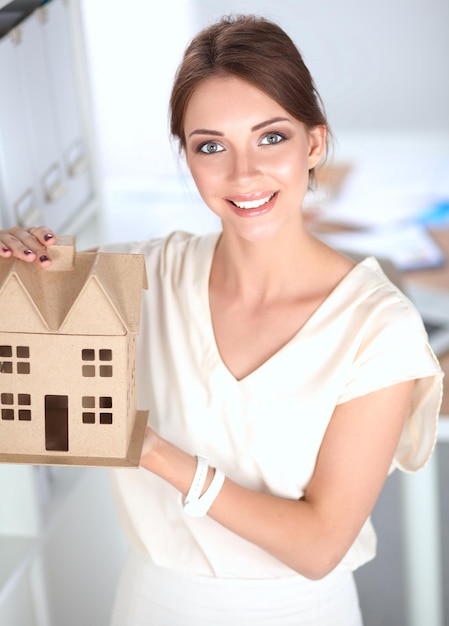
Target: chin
pixel 263 232
pixel 258 235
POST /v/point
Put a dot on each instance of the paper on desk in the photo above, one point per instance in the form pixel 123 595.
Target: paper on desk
pixel 408 247
pixel 380 192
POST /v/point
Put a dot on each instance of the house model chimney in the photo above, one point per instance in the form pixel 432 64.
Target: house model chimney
pixel 63 254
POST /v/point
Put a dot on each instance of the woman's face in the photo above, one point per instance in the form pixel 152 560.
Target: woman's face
pixel 249 158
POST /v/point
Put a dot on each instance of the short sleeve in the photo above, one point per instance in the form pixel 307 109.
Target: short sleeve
pixel 395 349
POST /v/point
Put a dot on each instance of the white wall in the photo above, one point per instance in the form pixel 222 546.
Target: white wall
pixel 134 48
pixel 378 65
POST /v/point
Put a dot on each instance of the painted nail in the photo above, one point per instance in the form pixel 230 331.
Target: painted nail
pixel 5 249
pixel 48 236
pixel 27 252
pixel 43 258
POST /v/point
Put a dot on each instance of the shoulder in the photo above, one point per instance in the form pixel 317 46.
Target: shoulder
pixel 389 341
pixel 169 251
pixel 378 325
pixel 379 302
pixel 387 344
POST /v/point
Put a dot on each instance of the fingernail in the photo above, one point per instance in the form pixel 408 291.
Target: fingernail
pixel 27 252
pixel 43 258
pixel 5 249
pixel 48 236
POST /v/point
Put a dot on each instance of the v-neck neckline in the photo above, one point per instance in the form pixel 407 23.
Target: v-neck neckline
pixel 310 322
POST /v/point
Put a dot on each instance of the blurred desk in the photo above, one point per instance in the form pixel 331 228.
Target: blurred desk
pixel 421 495
pixel 438 278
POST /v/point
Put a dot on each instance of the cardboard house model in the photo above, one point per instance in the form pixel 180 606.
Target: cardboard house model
pixel 67 359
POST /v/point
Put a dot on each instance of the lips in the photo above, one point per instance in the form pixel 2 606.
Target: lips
pixel 252 204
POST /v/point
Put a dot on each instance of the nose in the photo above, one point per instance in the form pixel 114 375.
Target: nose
pixel 243 166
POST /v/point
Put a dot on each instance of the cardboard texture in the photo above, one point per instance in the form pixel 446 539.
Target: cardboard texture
pixel 67 359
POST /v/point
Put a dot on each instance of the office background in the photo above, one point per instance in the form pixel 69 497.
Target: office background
pixel 379 67
pixel 382 72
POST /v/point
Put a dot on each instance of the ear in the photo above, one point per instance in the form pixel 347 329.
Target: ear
pixel 317 145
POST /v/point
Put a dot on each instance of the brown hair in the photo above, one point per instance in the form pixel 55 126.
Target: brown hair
pixel 255 50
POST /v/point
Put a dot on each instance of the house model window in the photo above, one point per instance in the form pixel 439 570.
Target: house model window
pixel 99 409
pixel 15 407
pixel 14 359
pixel 100 369
pixel 67 359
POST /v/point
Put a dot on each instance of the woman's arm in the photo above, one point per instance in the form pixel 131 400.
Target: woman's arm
pixel 313 534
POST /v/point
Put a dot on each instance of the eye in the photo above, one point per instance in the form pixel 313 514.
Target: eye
pixel 210 147
pixel 272 138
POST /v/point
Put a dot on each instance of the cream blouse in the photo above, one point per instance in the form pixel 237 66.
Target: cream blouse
pixel 263 431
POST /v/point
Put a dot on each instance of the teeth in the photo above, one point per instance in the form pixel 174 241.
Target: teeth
pixel 254 204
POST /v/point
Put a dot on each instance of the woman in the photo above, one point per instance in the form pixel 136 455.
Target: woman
pixel 283 380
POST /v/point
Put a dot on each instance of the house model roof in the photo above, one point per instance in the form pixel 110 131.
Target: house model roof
pixel 54 299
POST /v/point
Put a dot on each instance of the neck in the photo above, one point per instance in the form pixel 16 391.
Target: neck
pixel 262 270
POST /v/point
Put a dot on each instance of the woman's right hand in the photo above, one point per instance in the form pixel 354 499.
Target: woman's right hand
pixel 27 245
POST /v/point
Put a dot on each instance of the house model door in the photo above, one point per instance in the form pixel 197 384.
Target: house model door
pixel 57 423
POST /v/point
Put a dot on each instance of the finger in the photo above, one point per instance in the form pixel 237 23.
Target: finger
pixel 23 245
pixel 43 234
pixel 12 243
pixel 4 250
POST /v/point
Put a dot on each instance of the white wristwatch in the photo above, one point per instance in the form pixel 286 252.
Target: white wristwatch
pixel 199 507
pixel 202 465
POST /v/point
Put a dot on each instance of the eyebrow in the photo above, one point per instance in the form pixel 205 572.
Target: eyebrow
pixel 273 120
pixel 205 131
pixel 216 133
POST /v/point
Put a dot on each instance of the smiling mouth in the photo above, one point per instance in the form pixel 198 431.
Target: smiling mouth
pixel 253 204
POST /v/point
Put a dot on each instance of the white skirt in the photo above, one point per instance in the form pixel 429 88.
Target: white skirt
pixel 149 595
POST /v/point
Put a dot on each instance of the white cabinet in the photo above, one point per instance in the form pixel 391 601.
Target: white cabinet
pixel 46 150
pixel 47 176
pixel 49 181
pixel 17 175
pixel 66 107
